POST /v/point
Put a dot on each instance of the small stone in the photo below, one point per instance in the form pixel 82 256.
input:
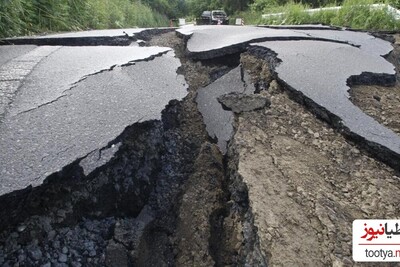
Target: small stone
pixel 21 228
pixel 377 98
pixel 47 265
pixel 76 264
pixel 65 250
pixel 62 258
pixel 316 135
pixel 56 244
pixel 268 236
pixel 239 103
pixel 92 253
pixel 51 235
pixel 35 253
pixel 347 262
pixel 274 87
pixel 21 258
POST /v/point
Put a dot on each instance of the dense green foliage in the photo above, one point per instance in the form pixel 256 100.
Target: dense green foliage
pixel 24 17
pixel 355 14
pixel 21 17
pixel 196 7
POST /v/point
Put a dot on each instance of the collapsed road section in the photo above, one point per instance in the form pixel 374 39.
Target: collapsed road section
pixel 299 57
pixel 208 155
pixel 65 118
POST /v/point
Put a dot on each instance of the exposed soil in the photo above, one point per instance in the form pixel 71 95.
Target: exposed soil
pixel 285 194
pixel 306 183
pixel 382 103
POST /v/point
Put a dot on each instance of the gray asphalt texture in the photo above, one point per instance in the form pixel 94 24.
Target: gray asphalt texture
pixel 55 75
pixel 61 103
pixel 208 41
pixel 39 137
pixel 318 63
pixel 17 65
pixel 96 33
pixel 8 52
pixel 325 81
pixel 219 121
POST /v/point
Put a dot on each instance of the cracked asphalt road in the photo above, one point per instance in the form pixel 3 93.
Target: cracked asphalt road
pixel 140 174
pixel 78 99
pixel 54 97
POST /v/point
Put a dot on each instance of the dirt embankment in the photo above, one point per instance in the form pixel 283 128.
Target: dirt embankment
pixel 306 182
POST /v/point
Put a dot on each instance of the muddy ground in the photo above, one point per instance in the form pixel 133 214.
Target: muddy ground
pixel 285 194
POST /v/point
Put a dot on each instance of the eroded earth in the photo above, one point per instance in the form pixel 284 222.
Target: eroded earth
pixel 211 146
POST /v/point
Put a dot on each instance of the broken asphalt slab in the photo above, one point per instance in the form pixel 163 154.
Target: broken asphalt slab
pixel 122 37
pixel 324 87
pixel 219 121
pixel 239 103
pixel 319 64
pixel 366 42
pixel 207 42
pixel 41 138
pixel 63 67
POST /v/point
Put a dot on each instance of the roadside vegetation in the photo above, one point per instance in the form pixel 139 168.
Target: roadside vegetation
pixel 356 14
pixel 24 17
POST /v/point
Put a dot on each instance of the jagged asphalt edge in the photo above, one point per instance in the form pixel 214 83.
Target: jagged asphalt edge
pixel 382 153
pixel 122 40
pixel 243 46
pixel 17 195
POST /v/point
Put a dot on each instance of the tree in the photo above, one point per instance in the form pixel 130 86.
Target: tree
pixel 196 7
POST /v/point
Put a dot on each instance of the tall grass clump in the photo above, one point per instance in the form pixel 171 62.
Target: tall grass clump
pixel 14 17
pixel 356 14
pixel 24 17
pixel 250 17
pixel 291 13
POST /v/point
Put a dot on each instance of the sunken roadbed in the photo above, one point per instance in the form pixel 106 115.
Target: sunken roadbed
pixel 198 146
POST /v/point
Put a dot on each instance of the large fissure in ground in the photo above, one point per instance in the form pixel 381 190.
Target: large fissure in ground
pixel 169 197
pixel 163 199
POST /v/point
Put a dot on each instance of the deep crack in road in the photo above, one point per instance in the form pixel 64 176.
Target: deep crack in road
pixel 131 156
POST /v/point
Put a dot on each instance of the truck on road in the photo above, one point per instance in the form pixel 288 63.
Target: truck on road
pixel 214 17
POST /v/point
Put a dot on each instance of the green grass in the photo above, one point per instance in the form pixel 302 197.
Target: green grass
pixel 354 14
pixel 25 17
pixel 249 17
